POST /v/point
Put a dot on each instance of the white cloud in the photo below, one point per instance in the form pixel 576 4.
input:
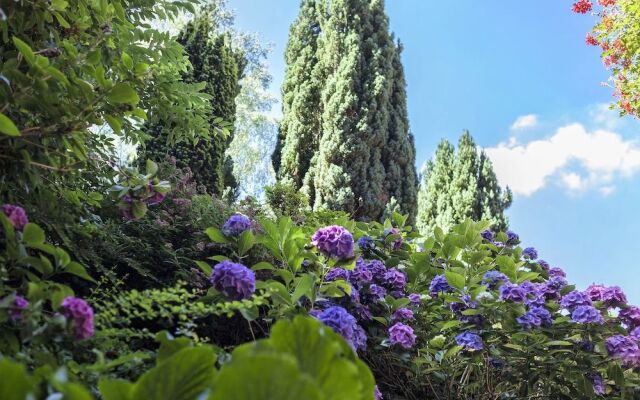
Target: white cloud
pixel 525 122
pixel 607 190
pixel 602 154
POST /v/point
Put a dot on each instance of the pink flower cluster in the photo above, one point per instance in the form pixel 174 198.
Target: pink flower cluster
pixel 81 316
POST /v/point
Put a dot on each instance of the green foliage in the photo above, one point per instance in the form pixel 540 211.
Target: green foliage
pixel 460 186
pixel 69 66
pixel 344 138
pixel 285 199
pixel 218 67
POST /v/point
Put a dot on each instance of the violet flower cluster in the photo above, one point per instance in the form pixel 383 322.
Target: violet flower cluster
pixel 402 335
pixel 80 314
pixel 16 216
pixel 334 242
pixel 17 308
pixel 236 224
pixel 439 284
pixel 235 281
pixel 470 341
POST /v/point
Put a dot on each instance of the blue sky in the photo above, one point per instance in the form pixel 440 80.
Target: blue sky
pixel 518 76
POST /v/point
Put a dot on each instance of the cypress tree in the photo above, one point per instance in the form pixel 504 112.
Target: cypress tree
pixel 460 185
pixel 215 64
pixel 435 207
pixel 464 187
pixel 344 139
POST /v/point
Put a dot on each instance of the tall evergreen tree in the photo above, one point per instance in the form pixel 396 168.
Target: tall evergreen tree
pixel 219 67
pixel 344 138
pixel 460 185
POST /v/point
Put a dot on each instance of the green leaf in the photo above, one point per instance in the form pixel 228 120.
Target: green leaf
pixel 170 345
pixel 245 242
pixel 139 209
pixel 559 343
pixel 25 50
pixel 127 60
pixel 262 265
pixel 454 279
pixel 450 324
pixel 32 234
pixel 114 123
pixel 183 376
pixel 15 383
pixel 204 267
pixel 303 286
pixel 452 351
pixel 151 168
pixel 7 126
pixel 216 235
pixel 115 389
pixel 77 269
pixel 59 5
pixel 123 93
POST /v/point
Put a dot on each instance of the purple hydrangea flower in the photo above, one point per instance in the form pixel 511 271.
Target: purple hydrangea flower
pixel 395 279
pixel 377 395
pixel 597 382
pixel 334 241
pixel 535 318
pixel 359 339
pixel 19 305
pixel 362 313
pixel 512 238
pixel 595 292
pixel 402 335
pixel 414 299
pixel 234 280
pixel 366 243
pixel 574 299
pixel 487 235
pixel 470 341
pixel 402 313
pixel 81 316
pixel 439 284
pixel 492 279
pixel 622 347
pixel 360 275
pixel 377 293
pixel 236 224
pixel 544 265
pixel 635 334
pixel 511 292
pixel 396 243
pixel 557 272
pixel 553 286
pixel 587 315
pixel 338 319
pixel 337 273
pixel 16 215
pixel 630 316
pixel 355 294
pixel 397 294
pixel 530 253
pixel 466 304
pixel 376 267
pixel 156 197
pixel 614 297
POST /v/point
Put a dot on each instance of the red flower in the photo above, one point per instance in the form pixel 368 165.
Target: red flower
pixel 591 41
pixel 607 3
pixel 582 6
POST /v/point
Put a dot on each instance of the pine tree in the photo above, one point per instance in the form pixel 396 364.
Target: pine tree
pixel 215 64
pixel 460 185
pixel 344 137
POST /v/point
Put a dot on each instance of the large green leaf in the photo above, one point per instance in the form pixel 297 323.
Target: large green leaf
pixel 7 126
pixel 454 279
pixel 123 93
pixel 183 376
pixel 264 377
pixel 115 389
pixel 33 234
pixel 15 384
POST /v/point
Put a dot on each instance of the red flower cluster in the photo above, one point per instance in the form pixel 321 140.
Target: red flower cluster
pixel 607 3
pixel 582 6
pixel 591 41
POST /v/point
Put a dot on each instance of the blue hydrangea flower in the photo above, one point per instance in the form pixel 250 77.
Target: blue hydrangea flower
pixel 599 387
pixel 338 319
pixel 359 339
pixel 376 267
pixel 614 297
pixel 470 341
pixel 439 284
pixel 414 299
pixel 334 242
pixel 236 224
pixel 587 315
pixel 511 292
pixel 630 316
pixel 535 318
pixel 530 253
pixel 622 347
pixel 234 280
pixel 366 243
pixel 337 273
pixel 544 265
pixel 512 238
pixel 487 235
pixel 395 279
pixel 360 275
pixel 377 292
pixel 492 279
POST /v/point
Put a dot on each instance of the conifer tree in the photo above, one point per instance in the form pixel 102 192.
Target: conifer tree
pixel 460 185
pixel 219 67
pixel 344 138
